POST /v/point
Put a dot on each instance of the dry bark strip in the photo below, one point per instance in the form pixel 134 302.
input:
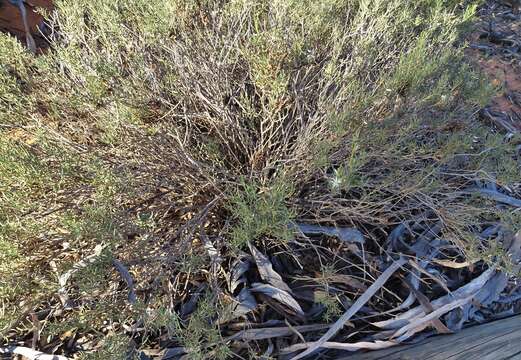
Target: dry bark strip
pixel 30 353
pixel 125 274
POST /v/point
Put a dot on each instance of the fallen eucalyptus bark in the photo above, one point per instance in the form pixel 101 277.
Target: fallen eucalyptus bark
pixel 236 275
pixel 485 289
pixel 497 196
pixel 489 50
pixel 274 332
pixel 266 271
pixel 243 304
pixel 396 234
pixel 465 291
pixel 423 248
pixel 489 293
pixel 350 235
pixel 132 298
pixel 404 333
pixel 490 231
pixel 278 294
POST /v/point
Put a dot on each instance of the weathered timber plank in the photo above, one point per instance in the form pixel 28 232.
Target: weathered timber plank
pixel 499 340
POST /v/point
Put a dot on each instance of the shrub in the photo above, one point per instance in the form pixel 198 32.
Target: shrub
pixel 221 122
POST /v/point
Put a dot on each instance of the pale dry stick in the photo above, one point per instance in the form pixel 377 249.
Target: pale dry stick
pixel 361 301
pixel 274 332
pixel 62 280
pixel 362 345
pixel 406 332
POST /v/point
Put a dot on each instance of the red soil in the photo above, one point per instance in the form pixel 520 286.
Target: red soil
pixel 11 20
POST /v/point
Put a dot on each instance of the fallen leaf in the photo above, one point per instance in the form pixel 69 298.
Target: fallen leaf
pixel 278 294
pixel 266 270
pixel 238 269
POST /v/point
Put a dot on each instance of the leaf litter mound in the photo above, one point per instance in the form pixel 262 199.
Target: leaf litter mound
pixel 406 230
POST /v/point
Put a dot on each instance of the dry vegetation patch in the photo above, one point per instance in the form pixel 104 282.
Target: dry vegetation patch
pixel 219 179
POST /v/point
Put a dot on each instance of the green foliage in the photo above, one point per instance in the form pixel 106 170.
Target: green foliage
pixel 114 347
pixel 198 335
pixel 260 212
pixel 94 277
pixel 21 174
pixel 332 309
pixel 499 159
pixel 14 63
pixel 349 175
pixel 331 304
pixel 94 316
